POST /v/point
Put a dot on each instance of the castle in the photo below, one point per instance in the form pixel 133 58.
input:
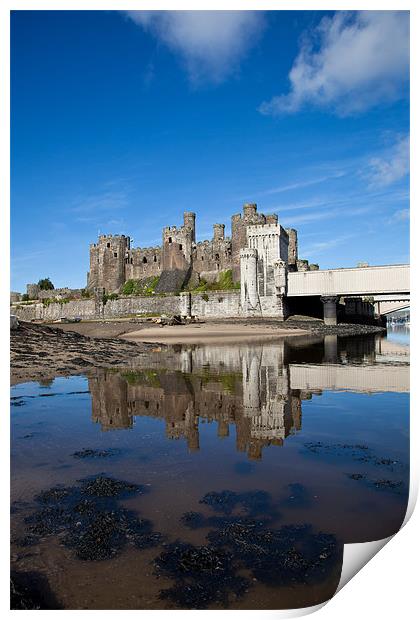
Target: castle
pixel 181 259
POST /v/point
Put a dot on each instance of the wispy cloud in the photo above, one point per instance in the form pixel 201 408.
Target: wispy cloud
pixel 103 201
pixel 301 184
pixel 314 203
pixel 323 246
pixel 392 166
pixel 324 215
pixel 210 43
pixel 349 63
pixel 402 215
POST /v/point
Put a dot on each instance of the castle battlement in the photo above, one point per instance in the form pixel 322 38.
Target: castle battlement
pixel 113 261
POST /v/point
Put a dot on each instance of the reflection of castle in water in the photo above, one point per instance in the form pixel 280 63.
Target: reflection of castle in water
pixel 257 389
pixel 254 397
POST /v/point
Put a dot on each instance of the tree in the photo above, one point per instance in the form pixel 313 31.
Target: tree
pixel 45 284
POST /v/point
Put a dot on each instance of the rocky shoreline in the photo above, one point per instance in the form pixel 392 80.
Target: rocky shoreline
pixel 40 352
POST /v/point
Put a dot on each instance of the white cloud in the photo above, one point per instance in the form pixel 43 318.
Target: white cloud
pixel 349 63
pixel 393 166
pixel 210 43
pixel 402 215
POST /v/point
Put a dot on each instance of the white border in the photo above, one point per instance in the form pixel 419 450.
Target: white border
pixel 387 586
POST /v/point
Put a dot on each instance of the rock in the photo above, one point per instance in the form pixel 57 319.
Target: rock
pixel 14 323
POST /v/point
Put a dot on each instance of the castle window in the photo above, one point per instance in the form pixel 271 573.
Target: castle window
pixel 170 240
pixel 144 260
pixel 180 246
pixel 217 257
pixel 131 260
pixel 115 254
pixel 154 259
pixel 108 245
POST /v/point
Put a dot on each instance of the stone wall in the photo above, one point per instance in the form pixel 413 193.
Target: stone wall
pixel 75 293
pixel 142 305
pixel 85 308
pixel 141 263
pixel 215 304
pixel 14 297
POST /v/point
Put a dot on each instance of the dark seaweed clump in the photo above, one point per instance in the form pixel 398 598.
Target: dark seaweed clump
pixel 90 453
pixel 203 575
pixel 102 486
pixel 251 503
pixel 360 453
pixel 89 519
pixel 356 452
pixel 383 484
pixel 292 554
pixel 287 556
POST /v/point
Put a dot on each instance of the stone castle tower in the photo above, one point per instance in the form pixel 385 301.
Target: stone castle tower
pixel 180 257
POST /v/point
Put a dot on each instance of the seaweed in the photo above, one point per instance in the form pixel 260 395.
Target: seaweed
pixel 284 556
pixel 91 453
pixel 253 503
pixel 203 575
pixel 292 554
pixel 90 520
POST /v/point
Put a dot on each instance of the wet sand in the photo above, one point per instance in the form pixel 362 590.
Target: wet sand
pixel 205 333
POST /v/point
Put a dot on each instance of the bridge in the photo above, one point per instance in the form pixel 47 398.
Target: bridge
pixel 386 304
pixel 368 379
pixel 389 285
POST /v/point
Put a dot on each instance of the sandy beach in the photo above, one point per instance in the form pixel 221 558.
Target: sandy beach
pixel 204 333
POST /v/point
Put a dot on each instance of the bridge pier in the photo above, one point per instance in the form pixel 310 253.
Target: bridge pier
pixel 330 349
pixel 330 309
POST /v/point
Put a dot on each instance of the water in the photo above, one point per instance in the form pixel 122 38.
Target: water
pixel 300 431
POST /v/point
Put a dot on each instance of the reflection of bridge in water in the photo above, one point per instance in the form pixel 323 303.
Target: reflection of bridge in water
pixel 258 389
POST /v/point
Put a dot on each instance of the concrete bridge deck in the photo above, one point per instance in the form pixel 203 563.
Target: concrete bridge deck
pixel 380 280
pixel 378 378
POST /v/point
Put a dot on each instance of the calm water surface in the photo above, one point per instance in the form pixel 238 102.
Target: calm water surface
pixel 304 432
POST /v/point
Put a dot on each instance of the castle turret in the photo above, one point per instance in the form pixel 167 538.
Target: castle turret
pixel 218 232
pixel 189 222
pixel 249 209
pixel 293 248
pixel 249 292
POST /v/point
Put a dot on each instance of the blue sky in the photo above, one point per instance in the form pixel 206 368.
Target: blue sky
pixel 122 120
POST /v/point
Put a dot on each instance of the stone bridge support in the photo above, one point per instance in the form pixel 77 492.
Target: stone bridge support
pixel 331 349
pixel 330 309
